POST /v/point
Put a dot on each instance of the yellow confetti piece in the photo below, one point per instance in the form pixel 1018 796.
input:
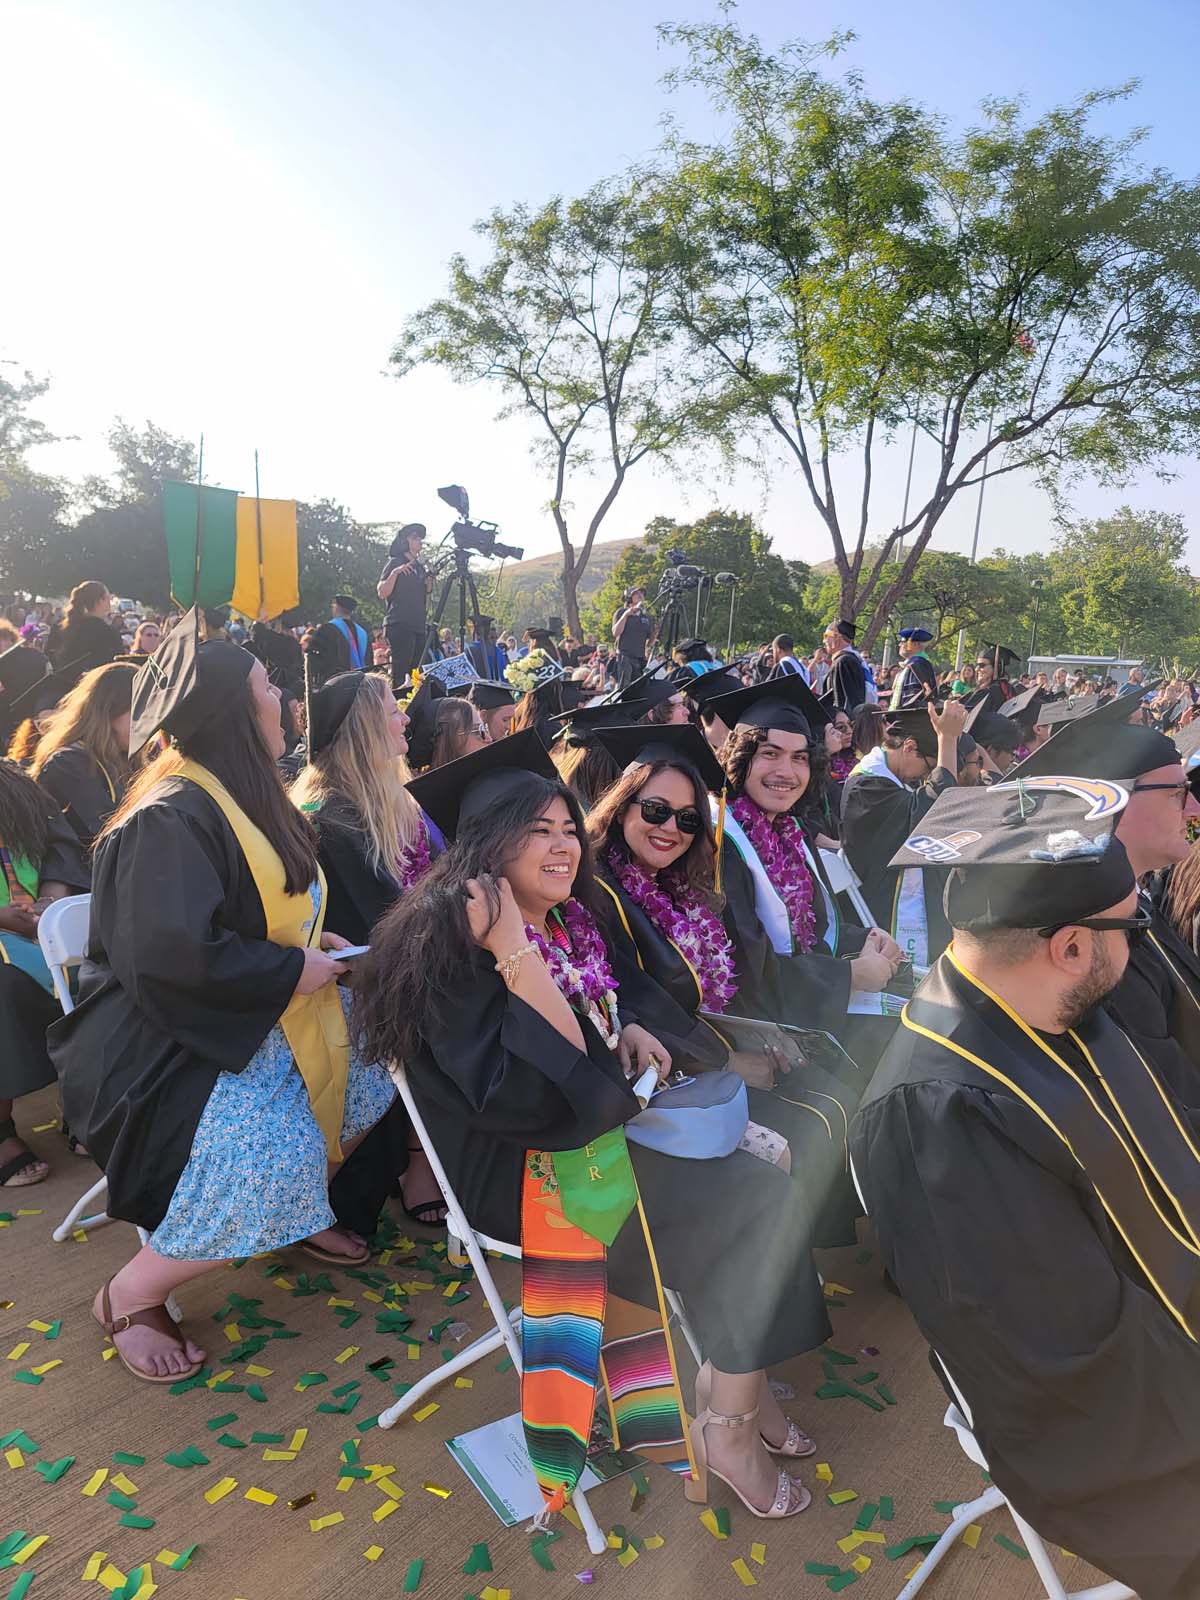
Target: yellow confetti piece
pixel 283 1283
pixel 436 1488
pixel 17 1351
pixel 369 1294
pixel 111 1577
pixel 334 1301
pixel 146 1588
pixel 377 1470
pixel 824 1472
pixel 912 1572
pixel 836 1288
pixel 220 1377
pixel 744 1573
pixel 233 1333
pixel 758 1554
pixel 392 1490
pixel 80 1236
pixel 413 1353
pixel 1070 1554
pixel 655 1541
pixel 328 1521
pixel 494 1594
pixel 350 1350
pixel 872 1538
pixel 841 1497
pixel 93 1484
pixel 126 1485
pixel 850 1543
pixel 615 1541
pixel 31 1548
pixel 861 1563
pixel 35 1213
pixel 464 1383
pixel 260 1372
pixel 971 1536
pixel 426 1411
pixel 220 1490
pixel 346 1484
pixel 40 1327
pixel 109 1353
pixel 451 1289
pixel 261 1497
pixel 46 1127
pixel 709 1520
pixel 373 1552
pixel 46 1366
pixel 384 1510
pixel 298 1438
pixel 385 1256
pixel 279 1455
pixel 627 1557
pixel 14 1458
pixel 92 1571
pixel 166 1557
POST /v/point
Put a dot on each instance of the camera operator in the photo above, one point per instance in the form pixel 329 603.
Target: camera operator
pixel 405 584
pixel 633 631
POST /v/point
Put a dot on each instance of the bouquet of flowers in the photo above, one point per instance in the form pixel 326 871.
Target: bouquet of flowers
pixel 530 672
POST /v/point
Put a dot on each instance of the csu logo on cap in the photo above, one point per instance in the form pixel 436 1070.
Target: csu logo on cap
pixel 1104 797
pixel 942 850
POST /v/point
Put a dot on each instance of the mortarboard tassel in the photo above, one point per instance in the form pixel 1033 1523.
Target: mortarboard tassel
pixel 720 838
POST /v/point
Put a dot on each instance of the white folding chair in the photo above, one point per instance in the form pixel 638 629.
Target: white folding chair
pixel 844 880
pixel 958 1417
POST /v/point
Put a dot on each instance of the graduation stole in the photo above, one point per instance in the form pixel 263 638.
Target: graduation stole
pixel 573 1205
pixel 350 632
pixel 314 1024
pixel 1117 1121
pixel 899 685
pixel 768 902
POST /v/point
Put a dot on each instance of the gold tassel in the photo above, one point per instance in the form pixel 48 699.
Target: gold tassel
pixel 720 839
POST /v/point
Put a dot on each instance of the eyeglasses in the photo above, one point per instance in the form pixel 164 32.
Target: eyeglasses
pixel 1179 790
pixel 658 812
pixel 1137 926
pixel 481 731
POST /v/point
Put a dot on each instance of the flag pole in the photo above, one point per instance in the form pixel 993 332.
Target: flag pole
pixel 262 582
pixel 199 529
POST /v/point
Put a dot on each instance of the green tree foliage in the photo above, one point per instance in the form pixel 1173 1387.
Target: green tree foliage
pixel 337 556
pixel 566 318
pixel 772 595
pixel 32 504
pixel 845 268
pixel 1122 584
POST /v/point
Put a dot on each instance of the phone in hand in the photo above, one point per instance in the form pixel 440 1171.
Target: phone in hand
pixel 351 953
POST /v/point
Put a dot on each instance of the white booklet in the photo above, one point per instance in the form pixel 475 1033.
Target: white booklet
pixel 495 1459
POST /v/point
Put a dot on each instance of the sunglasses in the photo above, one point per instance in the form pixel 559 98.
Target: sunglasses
pixel 1137 926
pixel 658 812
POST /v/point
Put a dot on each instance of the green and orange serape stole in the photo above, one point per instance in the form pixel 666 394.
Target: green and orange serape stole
pixel 573 1204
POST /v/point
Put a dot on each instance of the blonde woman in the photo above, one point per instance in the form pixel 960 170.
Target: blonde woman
pixel 82 756
pixel 373 843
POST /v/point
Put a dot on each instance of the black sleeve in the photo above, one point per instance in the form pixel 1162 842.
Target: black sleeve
pixel 64 860
pixel 692 1044
pixel 358 896
pixel 73 778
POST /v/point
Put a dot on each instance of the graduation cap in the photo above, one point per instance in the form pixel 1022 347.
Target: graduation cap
pixel 1023 705
pixel 845 627
pixel 1001 657
pixel 22 669
pixel 677 742
pixel 654 692
pixel 422 720
pixel 1053 713
pixel 485 693
pixel 1102 743
pixel 993 729
pixel 346 601
pixel 579 727
pixel 706 687
pixel 692 649
pixel 917 635
pixel 328 708
pixel 474 784
pixel 913 723
pixel 1025 854
pixel 784 703
pixel 184 683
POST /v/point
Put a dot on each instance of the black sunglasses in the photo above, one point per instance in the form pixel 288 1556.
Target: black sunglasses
pixel 1137 926
pixel 658 812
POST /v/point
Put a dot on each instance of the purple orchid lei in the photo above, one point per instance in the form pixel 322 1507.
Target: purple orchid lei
pixel 578 962
pixel 680 916
pixel 779 845
pixel 415 858
pixel 841 765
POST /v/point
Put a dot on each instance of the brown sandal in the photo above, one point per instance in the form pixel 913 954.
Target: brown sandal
pixel 156 1317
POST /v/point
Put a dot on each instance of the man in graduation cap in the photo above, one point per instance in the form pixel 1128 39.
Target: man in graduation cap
pixel 495 702
pixel 1033 1182
pixel 846 686
pixel 916 683
pixel 703 693
pixel 992 687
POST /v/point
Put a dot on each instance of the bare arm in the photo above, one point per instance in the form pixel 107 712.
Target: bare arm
pixel 618 622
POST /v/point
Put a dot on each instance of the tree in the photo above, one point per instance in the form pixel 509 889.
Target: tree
pixel 1026 295
pixel 771 597
pixel 337 556
pixel 144 459
pixel 32 504
pixel 1123 586
pixel 566 319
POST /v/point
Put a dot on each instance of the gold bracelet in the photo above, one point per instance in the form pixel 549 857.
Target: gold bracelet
pixel 510 968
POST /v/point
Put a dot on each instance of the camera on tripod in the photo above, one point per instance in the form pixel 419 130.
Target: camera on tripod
pixel 679 575
pixel 477 536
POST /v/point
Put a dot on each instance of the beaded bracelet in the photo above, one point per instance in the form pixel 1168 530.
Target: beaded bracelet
pixel 510 968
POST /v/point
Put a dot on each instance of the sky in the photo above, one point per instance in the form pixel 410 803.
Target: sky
pixel 218 217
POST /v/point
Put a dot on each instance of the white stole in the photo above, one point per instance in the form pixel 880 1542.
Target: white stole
pixel 768 903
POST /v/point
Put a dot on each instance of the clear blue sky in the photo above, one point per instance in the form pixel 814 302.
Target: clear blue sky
pixel 219 216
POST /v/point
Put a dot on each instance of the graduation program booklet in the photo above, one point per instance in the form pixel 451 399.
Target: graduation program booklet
pixel 495 1459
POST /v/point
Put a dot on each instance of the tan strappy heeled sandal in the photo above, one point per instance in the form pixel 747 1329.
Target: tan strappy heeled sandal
pixel 791 1497
pixel 796 1443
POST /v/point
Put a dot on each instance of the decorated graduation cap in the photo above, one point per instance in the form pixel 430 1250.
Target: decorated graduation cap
pixel 422 720
pixel 784 703
pixel 185 683
pixel 1023 706
pixel 1054 713
pixel 677 742
pixel 916 635
pixel 471 786
pixel 485 693
pixel 999 656
pixel 328 708
pixel 581 726
pixel 913 723
pixel 1025 854
pixel 1102 744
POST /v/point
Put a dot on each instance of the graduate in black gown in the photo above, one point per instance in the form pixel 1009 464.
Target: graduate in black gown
pixel 846 686
pixel 493 983
pixel 992 687
pixel 207 1065
pixel 916 682
pixel 1034 1185
pixel 883 800
pixel 82 755
pixel 22 669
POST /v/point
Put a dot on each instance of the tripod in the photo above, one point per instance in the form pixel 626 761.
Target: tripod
pixel 460 578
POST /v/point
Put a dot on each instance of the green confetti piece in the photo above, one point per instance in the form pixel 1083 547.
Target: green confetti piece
pixel 14 1542
pixel 349 1451
pixel 345 1388
pixel 309 1380
pixel 27 1377
pixel 448 1355
pixel 22 1441
pixel 194 1382
pixel 339 1408
pixel 865 1377
pixel 920 1541
pixel 822 1569
pixel 229 1388
pixel 124 1458
pixel 368 1423
pixel 182 1559
pixel 506 1366
pixel 457 1299
pixel 255 1391
pixel 842 1581
pixel 839 1357
pixel 885 1394
pixel 122 1501
pixel 175 1458
pixel 267 1438
pixel 946 1507
pixel 132 1520
pixel 355 1472
pixel 223 1421
pixel 231 1441
pixel 52 1471
pixel 412 1578
pixel 401 1389
pixel 21 1587
pixel 721 1513
pixel 866 1516
pixel 887 1508
pixel 55 1328
pixel 1011 1546
pixel 285 1333
pixel 537 1548
pixel 480 1560
pixel 835 1304
pixel 196 1457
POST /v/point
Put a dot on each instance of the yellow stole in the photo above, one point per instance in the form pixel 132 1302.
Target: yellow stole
pixel 314 1024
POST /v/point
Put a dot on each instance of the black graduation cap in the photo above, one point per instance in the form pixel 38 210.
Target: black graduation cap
pixel 1023 705
pixel 473 784
pixel 676 742
pixel 703 687
pixel 422 724
pixel 580 726
pixel 1000 656
pixel 653 692
pixel 913 723
pixel 784 703
pixel 846 627
pixel 328 708
pixel 692 649
pixel 1029 854
pixel 917 635
pixel 993 729
pixel 184 683
pixel 1102 743
pixel 346 601
pixel 22 670
pixel 1056 712
pixel 485 693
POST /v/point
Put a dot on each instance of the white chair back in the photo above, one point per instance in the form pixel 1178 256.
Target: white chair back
pixel 63 936
pixel 844 880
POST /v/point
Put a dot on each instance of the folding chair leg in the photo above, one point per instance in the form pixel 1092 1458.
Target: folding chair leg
pixel 487 1345
pixel 963 1517
pixel 597 1542
pixel 75 1219
pixel 1055 1590
pixel 675 1307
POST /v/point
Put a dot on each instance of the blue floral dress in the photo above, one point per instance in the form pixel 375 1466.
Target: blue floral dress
pixel 257 1178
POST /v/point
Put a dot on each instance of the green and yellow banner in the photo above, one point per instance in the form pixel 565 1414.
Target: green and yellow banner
pixel 248 552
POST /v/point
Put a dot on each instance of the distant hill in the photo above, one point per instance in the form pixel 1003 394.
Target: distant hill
pixel 531 590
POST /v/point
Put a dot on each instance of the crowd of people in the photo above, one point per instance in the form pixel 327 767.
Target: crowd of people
pixel 578 892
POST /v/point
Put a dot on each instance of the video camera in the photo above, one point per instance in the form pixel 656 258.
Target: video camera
pixel 477 536
pixel 679 575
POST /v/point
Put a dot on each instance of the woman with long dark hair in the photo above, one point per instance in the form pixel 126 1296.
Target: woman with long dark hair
pixel 539 680
pixel 458 730
pixel 207 1065
pixel 493 982
pixel 84 638
pixel 40 861
pixel 82 757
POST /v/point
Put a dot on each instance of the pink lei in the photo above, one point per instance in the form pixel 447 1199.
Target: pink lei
pixel 415 858
pixel 841 765
pixel 779 845
pixel 578 963
pixel 680 916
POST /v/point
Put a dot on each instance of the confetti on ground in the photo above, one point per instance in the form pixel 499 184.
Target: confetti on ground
pixel 425 1411
pixel 920 1541
pixel 373 1552
pixel 261 1497
pixel 758 1554
pixel 1011 1546
pixel 821 1569
pixel 437 1489
pixel 330 1519
pixel 861 1563
pixel 301 1500
pixel 384 1510
pixel 52 1471
pixel 842 1581
pixel 887 1508
pixel 716 1521
pixel 220 1489
pixel 824 1472
pixel 841 1497
pixel 92 1571
pixel 627 1556
pixel 412 1578
pixel 744 1573
pixel 971 1536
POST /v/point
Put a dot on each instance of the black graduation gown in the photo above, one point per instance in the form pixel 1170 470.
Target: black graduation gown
pixel 1083 1388
pixel 991 698
pixel 916 676
pixel 877 817
pixel 1157 1003
pixel 282 656
pixel 732 1236
pixel 26 1009
pixel 87 793
pixel 180 984
pixel 76 647
pixel 846 686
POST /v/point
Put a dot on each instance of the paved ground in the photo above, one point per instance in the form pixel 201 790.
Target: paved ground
pixel 90 1408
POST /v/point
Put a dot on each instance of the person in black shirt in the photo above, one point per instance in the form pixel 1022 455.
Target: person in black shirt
pixel 84 638
pixel 633 630
pixel 405 584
